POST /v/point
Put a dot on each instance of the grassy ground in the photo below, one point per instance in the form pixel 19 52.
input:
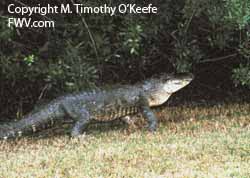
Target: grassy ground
pixel 190 142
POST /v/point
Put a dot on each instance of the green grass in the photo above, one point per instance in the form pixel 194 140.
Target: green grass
pixel 191 142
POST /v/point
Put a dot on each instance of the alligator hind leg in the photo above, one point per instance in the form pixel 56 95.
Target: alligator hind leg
pixel 79 126
pixel 82 118
pixel 79 114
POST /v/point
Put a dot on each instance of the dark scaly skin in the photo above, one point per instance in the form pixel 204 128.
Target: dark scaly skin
pixel 101 105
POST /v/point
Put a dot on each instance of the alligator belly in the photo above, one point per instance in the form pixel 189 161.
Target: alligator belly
pixel 112 114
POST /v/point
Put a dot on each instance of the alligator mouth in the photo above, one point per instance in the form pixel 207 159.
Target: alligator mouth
pixel 187 81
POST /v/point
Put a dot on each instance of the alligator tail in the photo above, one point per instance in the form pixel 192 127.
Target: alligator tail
pixel 32 122
pixel 4 129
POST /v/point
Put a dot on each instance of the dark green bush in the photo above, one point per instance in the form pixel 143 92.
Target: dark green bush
pixel 85 51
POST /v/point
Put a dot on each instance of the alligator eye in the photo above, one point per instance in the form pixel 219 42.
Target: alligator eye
pixel 152 98
pixel 177 83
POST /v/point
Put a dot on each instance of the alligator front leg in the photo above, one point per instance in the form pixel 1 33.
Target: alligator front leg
pixel 129 120
pixel 151 118
pixel 148 114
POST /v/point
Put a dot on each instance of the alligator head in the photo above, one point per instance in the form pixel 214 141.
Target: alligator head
pixel 158 90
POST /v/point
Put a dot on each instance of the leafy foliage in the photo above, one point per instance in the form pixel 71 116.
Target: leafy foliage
pixel 238 12
pixel 85 51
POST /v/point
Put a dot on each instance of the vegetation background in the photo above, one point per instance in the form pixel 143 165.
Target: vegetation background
pixel 204 131
pixel 207 37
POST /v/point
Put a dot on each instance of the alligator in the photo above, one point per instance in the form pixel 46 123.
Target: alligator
pixel 104 104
